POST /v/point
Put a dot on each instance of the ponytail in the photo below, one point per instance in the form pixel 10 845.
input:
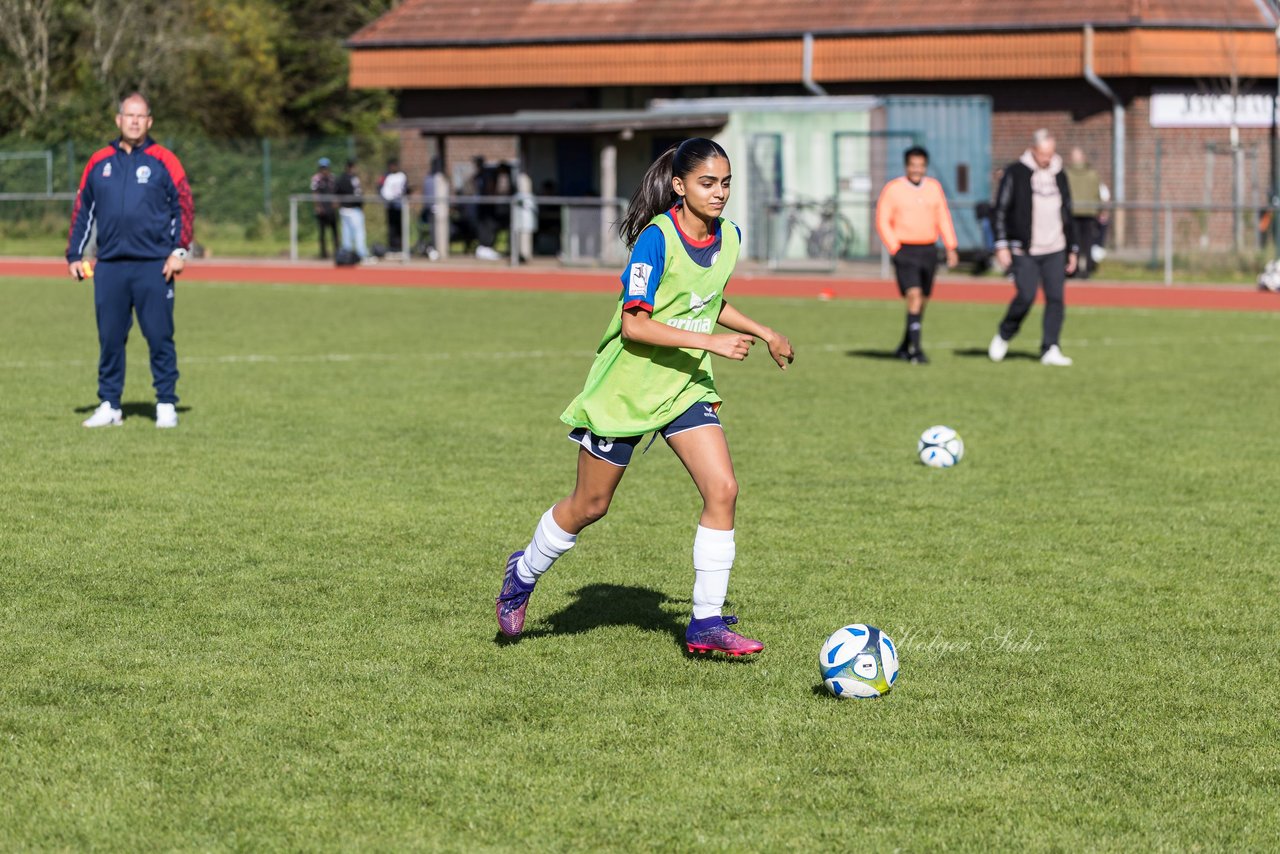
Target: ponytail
pixel 655 194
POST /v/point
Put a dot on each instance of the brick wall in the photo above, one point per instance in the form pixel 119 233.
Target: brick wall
pixel 1180 165
pixel 417 152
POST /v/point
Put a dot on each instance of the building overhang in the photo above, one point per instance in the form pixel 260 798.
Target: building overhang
pixel 561 123
pixel 1172 52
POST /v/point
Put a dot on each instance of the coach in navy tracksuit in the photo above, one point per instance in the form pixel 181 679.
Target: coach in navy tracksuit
pixel 136 193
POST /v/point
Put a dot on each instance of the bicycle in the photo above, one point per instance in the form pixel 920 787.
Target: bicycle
pixel 825 232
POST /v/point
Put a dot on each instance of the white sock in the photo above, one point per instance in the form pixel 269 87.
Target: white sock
pixel 713 553
pixel 548 543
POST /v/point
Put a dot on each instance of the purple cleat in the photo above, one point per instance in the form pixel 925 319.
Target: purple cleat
pixel 714 635
pixel 512 599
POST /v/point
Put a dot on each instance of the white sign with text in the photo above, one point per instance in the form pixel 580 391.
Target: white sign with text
pixel 1180 109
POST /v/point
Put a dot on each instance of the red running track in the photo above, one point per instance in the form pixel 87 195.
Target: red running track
pixel 392 275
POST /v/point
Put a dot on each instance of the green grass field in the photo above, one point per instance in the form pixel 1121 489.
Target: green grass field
pixel 272 628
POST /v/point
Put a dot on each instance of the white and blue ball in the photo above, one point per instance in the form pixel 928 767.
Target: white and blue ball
pixel 1269 278
pixel 858 661
pixel 940 447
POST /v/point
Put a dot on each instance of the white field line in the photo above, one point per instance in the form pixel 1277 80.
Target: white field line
pixel 319 358
pixel 525 355
pixel 1068 343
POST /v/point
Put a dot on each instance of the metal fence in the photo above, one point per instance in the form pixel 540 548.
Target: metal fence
pixel 1168 241
pixel 574 230
pixel 231 179
pixel 1174 240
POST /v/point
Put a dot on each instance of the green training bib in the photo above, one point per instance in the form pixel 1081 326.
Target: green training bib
pixel 634 388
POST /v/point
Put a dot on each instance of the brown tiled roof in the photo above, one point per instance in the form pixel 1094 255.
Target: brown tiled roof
pixel 423 23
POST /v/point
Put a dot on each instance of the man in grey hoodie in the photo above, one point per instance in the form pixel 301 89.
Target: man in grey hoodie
pixel 1035 238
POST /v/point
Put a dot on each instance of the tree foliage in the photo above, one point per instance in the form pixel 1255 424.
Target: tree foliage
pixel 222 68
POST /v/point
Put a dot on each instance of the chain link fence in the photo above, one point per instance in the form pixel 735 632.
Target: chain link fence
pixel 241 187
pixel 1160 241
pixel 252 199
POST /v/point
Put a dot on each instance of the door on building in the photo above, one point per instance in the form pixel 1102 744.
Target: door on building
pixel 865 162
pixel 576 168
pixel 764 190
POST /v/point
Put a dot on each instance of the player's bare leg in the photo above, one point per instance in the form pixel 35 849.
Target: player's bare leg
pixel 592 494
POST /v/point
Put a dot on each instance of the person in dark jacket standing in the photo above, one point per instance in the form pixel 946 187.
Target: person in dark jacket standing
pixel 1035 238
pixel 136 193
pixel 324 184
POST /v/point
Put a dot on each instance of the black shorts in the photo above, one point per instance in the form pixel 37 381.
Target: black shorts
pixel 618 451
pixel 915 265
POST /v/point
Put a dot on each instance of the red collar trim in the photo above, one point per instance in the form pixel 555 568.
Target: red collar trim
pixel 696 244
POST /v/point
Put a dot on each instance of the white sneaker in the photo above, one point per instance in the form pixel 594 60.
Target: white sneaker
pixel 105 416
pixel 998 348
pixel 1053 356
pixel 488 253
pixel 166 415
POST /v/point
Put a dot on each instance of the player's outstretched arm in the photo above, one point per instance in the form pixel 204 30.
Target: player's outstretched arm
pixel 639 326
pixel 779 344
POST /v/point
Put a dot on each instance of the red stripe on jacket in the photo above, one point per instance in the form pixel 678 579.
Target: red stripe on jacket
pixel 98 156
pixel 186 207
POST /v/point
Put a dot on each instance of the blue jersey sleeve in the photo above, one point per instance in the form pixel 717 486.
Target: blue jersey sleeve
pixel 644 270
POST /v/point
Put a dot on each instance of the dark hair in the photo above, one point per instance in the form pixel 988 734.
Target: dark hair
pixel 654 195
pixel 915 151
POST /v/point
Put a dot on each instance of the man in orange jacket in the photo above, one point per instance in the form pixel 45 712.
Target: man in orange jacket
pixel 911 215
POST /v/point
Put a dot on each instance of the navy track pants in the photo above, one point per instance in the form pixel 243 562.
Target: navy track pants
pixel 119 289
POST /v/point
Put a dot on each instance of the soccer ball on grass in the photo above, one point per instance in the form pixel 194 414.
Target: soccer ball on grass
pixel 858 661
pixel 940 447
pixel 1269 278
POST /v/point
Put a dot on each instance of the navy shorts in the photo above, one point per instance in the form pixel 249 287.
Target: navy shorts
pixel 618 451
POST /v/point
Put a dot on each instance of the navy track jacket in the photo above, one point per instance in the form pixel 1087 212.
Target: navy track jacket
pixel 140 201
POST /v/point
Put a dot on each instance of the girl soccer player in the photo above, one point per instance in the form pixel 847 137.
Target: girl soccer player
pixel 653 373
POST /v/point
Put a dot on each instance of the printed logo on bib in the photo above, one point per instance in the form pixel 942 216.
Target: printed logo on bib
pixel 697 303
pixel 106 170
pixel 693 324
pixel 144 174
pixel 639 284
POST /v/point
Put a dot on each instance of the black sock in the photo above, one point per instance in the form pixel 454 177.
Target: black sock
pixel 913 331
